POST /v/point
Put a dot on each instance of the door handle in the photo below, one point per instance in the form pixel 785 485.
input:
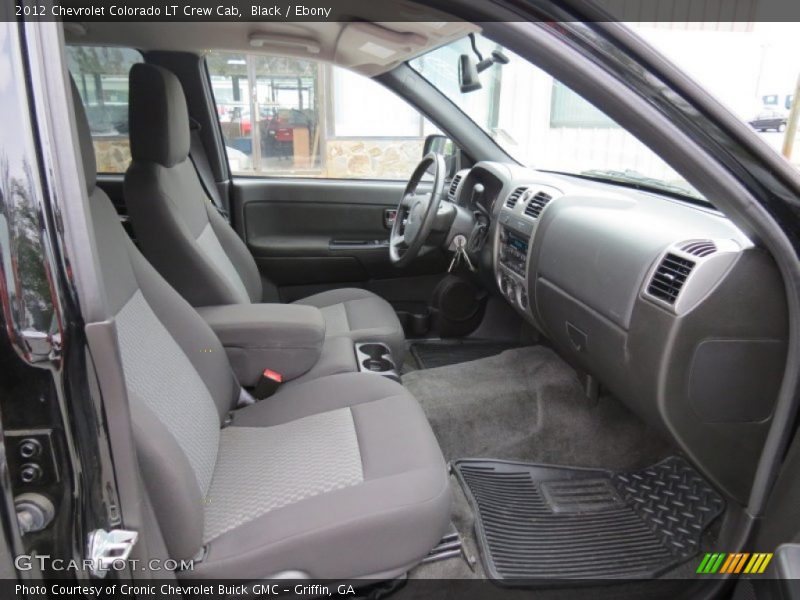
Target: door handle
pixel 389 215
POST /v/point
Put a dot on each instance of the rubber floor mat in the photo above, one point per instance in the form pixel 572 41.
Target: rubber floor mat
pixel 430 355
pixel 539 525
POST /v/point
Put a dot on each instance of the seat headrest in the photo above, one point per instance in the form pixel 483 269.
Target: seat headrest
pixel 158 117
pixel 84 139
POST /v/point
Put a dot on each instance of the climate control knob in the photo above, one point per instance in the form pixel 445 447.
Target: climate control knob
pixel 507 286
pixel 523 300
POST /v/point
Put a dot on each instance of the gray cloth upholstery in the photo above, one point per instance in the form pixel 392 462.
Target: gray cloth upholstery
pixel 365 485
pixel 283 337
pixel 159 375
pixel 159 108
pixel 361 316
pixel 337 356
pixel 400 510
pixel 170 211
pixel 210 246
pixel 307 457
pixel 187 241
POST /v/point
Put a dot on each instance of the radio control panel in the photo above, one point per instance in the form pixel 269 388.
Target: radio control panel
pixel 513 251
pixel 512 266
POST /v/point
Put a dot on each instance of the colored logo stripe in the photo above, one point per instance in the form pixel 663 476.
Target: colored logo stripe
pixel 711 563
pixel 734 563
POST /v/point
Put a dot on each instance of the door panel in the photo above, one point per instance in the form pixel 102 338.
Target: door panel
pixel 310 235
pixel 312 228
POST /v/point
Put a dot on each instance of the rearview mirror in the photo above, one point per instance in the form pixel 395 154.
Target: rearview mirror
pixel 468 74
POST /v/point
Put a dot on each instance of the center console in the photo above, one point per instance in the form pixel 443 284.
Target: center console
pixel 286 338
pixel 513 249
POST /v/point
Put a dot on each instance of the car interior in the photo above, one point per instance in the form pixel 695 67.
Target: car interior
pixel 484 370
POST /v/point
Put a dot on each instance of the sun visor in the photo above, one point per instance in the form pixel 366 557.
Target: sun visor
pixel 373 48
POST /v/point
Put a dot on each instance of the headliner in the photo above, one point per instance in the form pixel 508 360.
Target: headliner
pixel 367 47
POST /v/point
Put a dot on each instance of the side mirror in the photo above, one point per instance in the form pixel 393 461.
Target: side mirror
pixel 437 143
pixel 443 145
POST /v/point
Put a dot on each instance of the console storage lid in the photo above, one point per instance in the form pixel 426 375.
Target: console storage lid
pixel 286 338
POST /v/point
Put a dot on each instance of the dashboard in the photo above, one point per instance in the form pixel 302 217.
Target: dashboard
pixel 665 304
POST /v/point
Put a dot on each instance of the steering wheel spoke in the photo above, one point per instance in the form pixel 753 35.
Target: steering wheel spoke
pixel 398 242
pixel 407 201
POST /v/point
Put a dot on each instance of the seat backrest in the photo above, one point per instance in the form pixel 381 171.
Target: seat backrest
pixel 177 377
pixel 177 227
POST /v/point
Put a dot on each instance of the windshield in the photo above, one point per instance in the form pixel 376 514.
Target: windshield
pixel 541 122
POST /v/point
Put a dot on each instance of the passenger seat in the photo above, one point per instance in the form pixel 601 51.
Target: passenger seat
pixel 334 478
pixel 190 244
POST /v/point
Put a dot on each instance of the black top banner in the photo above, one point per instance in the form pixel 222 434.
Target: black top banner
pixel 691 11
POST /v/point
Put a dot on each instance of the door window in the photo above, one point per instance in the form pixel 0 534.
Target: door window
pixel 101 74
pixel 299 118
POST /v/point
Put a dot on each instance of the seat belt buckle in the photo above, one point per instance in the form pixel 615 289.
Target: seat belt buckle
pixel 268 384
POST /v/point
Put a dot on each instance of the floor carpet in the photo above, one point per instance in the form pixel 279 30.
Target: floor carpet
pixel 527 404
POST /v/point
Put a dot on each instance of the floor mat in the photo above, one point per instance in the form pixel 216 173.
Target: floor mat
pixel 433 354
pixel 538 525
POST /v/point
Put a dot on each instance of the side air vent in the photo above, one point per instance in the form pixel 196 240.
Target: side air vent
pixel 451 192
pixel 669 278
pixel 514 196
pixel 537 204
pixel 699 248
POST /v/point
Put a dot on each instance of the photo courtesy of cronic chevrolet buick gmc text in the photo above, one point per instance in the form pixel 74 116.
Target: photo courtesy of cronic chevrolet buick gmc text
pixel 463 299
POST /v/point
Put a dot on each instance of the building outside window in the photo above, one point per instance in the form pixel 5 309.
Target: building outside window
pixel 313 120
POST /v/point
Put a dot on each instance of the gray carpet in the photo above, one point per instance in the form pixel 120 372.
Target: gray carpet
pixel 525 404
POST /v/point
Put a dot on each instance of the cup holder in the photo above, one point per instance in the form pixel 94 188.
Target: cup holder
pixel 376 358
pixel 377 365
pixel 376 351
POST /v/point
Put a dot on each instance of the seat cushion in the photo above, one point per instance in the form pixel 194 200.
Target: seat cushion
pixel 360 315
pixel 337 477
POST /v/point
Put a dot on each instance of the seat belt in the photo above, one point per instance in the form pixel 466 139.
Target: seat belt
pixel 197 155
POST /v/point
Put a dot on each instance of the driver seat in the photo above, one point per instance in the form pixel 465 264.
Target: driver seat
pixel 183 236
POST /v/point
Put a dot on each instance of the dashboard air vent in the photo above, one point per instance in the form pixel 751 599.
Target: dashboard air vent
pixel 451 192
pixel 514 196
pixel 537 204
pixel 669 278
pixel 699 248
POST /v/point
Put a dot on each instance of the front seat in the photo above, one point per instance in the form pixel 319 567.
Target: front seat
pixel 189 243
pixel 335 478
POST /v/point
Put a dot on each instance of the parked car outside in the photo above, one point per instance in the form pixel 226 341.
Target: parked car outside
pixel 769 119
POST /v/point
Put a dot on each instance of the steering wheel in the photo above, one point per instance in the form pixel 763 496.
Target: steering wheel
pixel 416 212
